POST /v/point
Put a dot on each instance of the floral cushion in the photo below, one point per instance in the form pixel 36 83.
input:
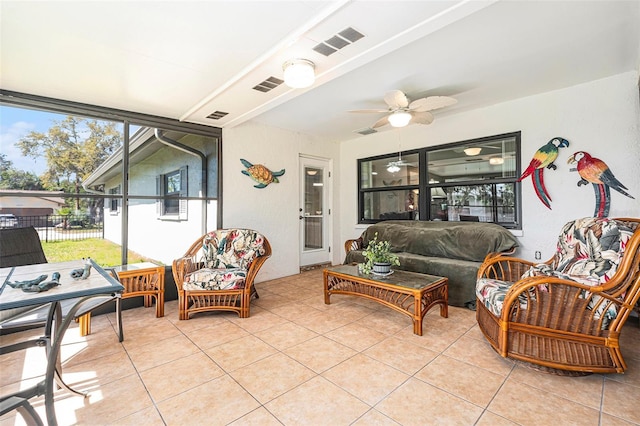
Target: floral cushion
pixel 231 248
pixel 215 279
pixel 589 251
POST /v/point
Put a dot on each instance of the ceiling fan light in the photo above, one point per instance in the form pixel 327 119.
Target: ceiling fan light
pixel 495 161
pixel 299 73
pixel 393 168
pixel 399 118
pixel 472 151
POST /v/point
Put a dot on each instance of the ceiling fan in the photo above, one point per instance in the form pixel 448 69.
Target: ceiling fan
pixel 394 166
pixel 401 111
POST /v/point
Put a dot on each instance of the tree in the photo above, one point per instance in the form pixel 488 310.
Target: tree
pixel 73 148
pixel 12 178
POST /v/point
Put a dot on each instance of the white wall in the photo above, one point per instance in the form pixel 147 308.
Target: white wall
pixel 600 117
pixel 273 210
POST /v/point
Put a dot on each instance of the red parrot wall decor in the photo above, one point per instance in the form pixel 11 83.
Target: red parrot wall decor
pixel 595 171
pixel 544 158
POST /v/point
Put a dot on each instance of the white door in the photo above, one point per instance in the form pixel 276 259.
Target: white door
pixel 315 210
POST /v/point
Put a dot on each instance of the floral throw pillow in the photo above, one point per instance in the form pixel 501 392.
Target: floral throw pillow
pixel 232 248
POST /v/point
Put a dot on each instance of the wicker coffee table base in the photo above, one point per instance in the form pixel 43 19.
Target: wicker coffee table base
pixel 412 302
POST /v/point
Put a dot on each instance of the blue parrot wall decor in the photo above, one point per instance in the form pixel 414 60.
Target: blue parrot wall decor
pixel 595 171
pixel 544 158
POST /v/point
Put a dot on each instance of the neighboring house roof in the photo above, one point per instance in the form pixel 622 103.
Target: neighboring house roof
pixel 31 199
pixel 141 146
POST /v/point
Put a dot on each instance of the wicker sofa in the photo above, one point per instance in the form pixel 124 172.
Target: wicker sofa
pixel 449 249
pixel 565 315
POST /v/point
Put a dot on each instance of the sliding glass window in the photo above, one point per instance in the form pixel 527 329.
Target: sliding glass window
pixel 146 185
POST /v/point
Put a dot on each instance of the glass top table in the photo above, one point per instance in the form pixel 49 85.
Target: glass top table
pixel 410 293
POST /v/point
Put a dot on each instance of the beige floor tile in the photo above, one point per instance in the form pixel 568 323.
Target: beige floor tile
pixel 437 333
pixel 609 420
pixel 240 353
pixel 631 376
pixel 317 402
pixel 260 319
pixel 147 417
pixel 366 378
pixel 386 320
pixel 258 417
pixel 479 354
pixel 83 349
pixel 416 401
pixel 475 333
pixel 293 311
pixel 464 380
pixel 105 404
pixel 321 321
pixel 541 408
pixel 319 354
pixel 216 334
pixel 490 419
pixel 140 336
pixel 272 376
pixel 401 355
pixel 92 374
pixel 357 336
pixel 621 400
pixel 629 338
pixel 178 376
pixel 216 402
pixel 161 352
pixel 374 417
pixel 286 335
pixel 586 390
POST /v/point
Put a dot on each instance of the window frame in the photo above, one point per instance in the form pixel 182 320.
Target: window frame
pixel 425 188
pixel 115 202
pixel 164 197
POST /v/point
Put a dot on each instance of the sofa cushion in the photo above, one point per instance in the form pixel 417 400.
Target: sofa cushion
pixel 454 240
pixel 215 279
pixel 231 248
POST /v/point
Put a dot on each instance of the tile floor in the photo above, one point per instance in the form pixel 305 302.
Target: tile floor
pixel 297 361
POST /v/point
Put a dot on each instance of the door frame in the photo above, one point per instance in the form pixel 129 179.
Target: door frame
pixel 323 255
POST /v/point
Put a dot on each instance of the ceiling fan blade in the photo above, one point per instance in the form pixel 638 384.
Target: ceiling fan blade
pixel 431 103
pixel 396 99
pixel 382 122
pixel 369 110
pixel 422 117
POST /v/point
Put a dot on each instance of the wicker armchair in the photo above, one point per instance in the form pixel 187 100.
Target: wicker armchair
pixel 218 270
pixel 566 314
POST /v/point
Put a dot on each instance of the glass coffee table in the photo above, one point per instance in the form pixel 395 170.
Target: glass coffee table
pixel 410 293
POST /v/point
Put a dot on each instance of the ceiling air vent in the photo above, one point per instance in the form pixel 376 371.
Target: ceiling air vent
pixel 366 131
pixel 217 115
pixel 269 84
pixel 338 41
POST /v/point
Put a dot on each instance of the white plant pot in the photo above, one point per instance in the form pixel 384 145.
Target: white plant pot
pixel 381 268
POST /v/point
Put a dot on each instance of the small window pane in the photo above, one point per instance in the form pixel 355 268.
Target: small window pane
pixel 390 171
pixel 475 161
pixel 477 203
pixel 389 205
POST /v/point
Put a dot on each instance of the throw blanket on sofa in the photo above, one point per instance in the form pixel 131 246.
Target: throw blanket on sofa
pixel 449 249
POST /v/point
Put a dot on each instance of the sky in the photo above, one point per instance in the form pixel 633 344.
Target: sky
pixel 18 122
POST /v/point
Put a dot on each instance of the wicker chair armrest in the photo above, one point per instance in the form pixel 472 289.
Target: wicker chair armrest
pixel 355 244
pixel 182 267
pixel 559 304
pixel 504 268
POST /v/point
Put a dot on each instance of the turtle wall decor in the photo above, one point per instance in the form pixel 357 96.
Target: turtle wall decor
pixel 260 174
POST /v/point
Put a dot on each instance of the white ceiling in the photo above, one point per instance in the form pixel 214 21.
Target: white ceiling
pixel 187 59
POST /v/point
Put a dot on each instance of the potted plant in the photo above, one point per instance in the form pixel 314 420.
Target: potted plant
pixel 379 257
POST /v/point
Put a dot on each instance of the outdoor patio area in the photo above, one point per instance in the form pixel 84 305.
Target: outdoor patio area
pixel 297 361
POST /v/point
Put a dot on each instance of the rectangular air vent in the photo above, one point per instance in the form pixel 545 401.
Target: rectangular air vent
pixel 338 41
pixel 366 131
pixel 217 115
pixel 269 84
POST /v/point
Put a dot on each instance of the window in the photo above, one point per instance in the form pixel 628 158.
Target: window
pixel 114 202
pixel 389 188
pixel 473 180
pixel 173 187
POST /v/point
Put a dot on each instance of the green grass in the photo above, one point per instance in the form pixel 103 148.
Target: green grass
pixel 104 252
